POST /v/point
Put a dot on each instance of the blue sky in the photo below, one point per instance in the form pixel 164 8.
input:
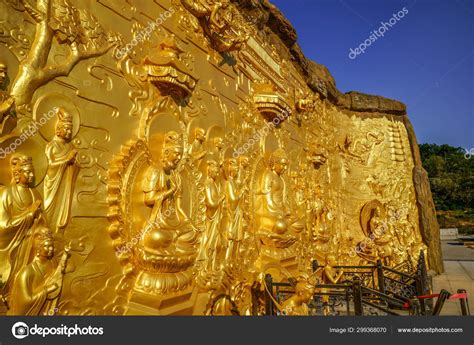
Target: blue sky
pixel 425 60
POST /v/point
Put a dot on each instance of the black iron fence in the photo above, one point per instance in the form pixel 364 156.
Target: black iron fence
pixel 370 290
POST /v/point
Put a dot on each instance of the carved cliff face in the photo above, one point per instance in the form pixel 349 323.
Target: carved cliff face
pixel 138 183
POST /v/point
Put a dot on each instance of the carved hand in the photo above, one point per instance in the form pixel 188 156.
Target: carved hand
pixel 72 157
pixel 35 209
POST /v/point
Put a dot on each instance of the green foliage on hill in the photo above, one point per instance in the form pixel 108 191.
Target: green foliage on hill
pixel 451 173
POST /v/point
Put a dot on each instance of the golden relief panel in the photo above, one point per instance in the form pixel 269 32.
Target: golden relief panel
pixel 161 158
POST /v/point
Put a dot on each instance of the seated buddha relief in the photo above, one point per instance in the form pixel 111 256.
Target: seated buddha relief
pixel 168 244
pixel 275 222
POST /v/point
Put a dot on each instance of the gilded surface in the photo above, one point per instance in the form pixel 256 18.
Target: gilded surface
pixel 159 157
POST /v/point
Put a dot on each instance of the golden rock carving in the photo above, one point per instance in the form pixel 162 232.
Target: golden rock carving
pixel 221 22
pixel 38 285
pixel 185 170
pixel 7 104
pixel 62 172
pixel 21 213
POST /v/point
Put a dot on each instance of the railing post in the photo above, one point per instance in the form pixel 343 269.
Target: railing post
pixel 268 299
pixel 420 291
pixel 464 304
pixel 425 284
pixel 415 306
pixel 380 277
pixel 443 296
pixel 357 292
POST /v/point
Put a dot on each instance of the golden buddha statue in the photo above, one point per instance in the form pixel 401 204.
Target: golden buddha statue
pixel 37 286
pixel 330 275
pixel 297 305
pixel 212 242
pixel 20 214
pixel 233 216
pixel 61 174
pixel 168 244
pixel 7 116
pixel 274 217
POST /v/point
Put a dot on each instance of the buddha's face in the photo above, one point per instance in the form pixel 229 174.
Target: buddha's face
pixel 280 165
pixel 172 157
pixel 46 250
pixel 331 260
pixel 200 135
pixel 25 176
pixel 232 168
pixel 244 161
pixel 213 171
pixel 305 290
pixel 219 144
pixel 3 73
pixel 64 130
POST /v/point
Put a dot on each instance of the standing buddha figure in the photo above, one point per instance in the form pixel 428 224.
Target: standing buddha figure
pixel 61 174
pixel 233 216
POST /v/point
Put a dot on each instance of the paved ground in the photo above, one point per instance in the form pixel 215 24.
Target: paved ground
pixel 454 250
pixel 459 274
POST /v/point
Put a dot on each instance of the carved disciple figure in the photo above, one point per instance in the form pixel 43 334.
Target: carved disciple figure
pixel 197 151
pixel 61 174
pixel 232 221
pixel 20 214
pixel 7 119
pixel 219 145
pixel 274 213
pixel 171 228
pixel 38 285
pixel 212 241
